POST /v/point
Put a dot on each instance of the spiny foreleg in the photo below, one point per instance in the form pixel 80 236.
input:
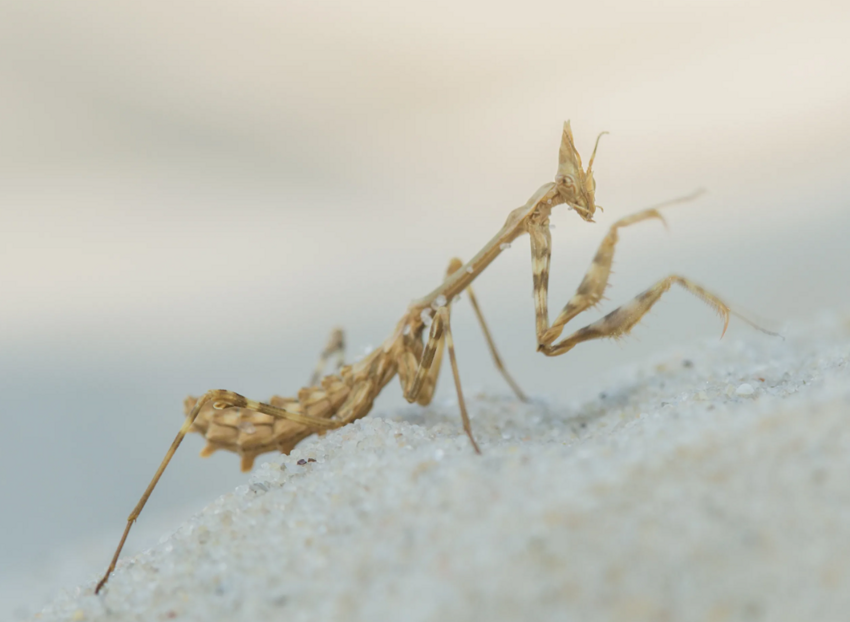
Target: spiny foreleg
pixel 428 382
pixel 595 281
pixel 414 382
pixel 622 319
pixel 589 293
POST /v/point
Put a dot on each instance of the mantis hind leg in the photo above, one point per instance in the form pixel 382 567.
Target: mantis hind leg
pixel 334 348
pixel 219 399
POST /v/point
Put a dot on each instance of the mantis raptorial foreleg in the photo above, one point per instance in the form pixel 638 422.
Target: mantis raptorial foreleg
pixel 621 320
pixel 428 371
pixel 408 363
pixel 417 376
pixel 592 287
pixel 416 385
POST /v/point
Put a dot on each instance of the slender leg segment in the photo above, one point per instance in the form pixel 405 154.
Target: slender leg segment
pixel 415 384
pixel 467 426
pixel 428 383
pixel 494 353
pixel 141 504
pixel 593 285
pixel 541 257
pixel 220 399
pixel 419 385
pixel 336 348
pixel 416 389
pixel 622 319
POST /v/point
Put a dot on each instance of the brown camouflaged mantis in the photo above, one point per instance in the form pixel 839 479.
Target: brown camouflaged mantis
pixel 249 428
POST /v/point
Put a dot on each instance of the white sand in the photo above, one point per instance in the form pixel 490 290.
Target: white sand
pixel 709 485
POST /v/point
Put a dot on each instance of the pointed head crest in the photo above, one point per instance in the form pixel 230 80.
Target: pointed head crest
pixel 576 186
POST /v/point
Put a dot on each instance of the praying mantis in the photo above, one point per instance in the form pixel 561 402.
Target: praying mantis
pixel 249 428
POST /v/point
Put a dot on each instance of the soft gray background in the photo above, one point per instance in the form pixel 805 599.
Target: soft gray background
pixel 192 195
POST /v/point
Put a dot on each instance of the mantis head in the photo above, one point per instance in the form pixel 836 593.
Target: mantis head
pixel 576 186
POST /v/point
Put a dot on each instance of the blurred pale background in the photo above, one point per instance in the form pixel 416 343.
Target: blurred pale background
pixel 193 194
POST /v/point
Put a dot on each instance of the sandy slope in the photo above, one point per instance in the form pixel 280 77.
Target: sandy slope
pixel 711 484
